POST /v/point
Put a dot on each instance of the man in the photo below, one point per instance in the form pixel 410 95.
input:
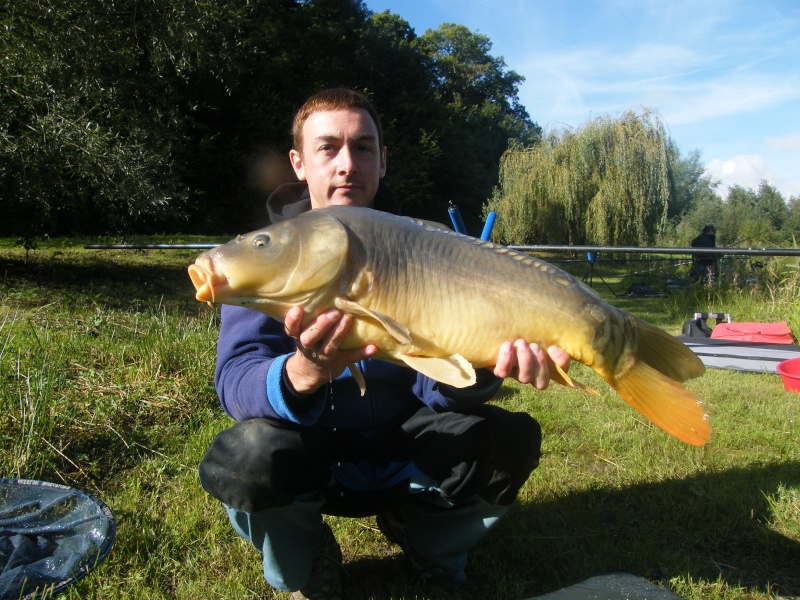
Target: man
pixel 437 465
pixel 704 266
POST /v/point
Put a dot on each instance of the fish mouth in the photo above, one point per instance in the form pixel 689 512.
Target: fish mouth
pixel 206 282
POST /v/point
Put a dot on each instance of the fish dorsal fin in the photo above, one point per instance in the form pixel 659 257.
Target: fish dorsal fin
pixel 454 370
pixel 395 329
pixel 324 244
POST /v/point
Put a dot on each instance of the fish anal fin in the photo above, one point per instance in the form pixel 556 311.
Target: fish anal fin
pixel 399 332
pixel 455 370
pixel 559 375
pixel 665 402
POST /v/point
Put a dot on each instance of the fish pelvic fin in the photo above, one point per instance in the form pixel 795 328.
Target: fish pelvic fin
pixel 559 375
pixel 359 377
pixel 663 401
pixel 455 370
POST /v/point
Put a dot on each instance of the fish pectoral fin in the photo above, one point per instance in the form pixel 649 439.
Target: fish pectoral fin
pixel 359 377
pixel 399 332
pixel 559 375
pixel 453 370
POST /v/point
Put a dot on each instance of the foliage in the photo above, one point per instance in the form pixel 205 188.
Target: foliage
pixel 84 128
pixel 745 218
pixel 159 116
pixel 606 183
pixel 482 113
pixel 689 182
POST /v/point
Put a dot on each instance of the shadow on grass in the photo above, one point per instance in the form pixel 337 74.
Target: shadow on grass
pixel 710 527
pixel 120 283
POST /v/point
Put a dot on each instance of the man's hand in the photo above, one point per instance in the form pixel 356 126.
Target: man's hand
pixel 527 363
pixel 318 358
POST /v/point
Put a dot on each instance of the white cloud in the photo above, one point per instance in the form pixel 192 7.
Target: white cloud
pixel 748 171
pixel 787 142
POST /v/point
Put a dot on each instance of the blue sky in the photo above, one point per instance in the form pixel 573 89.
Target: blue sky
pixel 723 74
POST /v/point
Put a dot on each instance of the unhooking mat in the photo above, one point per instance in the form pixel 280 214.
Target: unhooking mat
pixel 50 536
pixel 611 586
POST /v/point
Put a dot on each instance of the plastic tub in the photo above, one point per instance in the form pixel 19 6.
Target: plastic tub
pixel 790 373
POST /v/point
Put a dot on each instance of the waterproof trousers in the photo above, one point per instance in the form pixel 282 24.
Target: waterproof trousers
pixel 451 475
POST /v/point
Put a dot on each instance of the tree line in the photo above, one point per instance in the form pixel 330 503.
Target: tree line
pixel 139 116
pixel 623 181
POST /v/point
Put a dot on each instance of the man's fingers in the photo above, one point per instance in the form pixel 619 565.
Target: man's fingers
pixel 292 323
pixel 505 361
pixel 313 335
pixel 541 374
pixel 335 337
pixel 526 372
pixel 559 356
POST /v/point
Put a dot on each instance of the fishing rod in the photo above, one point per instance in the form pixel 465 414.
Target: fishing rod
pixel 198 246
pixel 660 250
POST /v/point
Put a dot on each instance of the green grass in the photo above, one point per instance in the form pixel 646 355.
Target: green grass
pixel 107 361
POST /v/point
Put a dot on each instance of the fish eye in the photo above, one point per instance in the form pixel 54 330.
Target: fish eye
pixel 262 239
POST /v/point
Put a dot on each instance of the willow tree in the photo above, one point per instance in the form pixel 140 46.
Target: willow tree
pixel 606 183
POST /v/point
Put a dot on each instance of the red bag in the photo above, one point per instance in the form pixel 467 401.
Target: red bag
pixel 765 333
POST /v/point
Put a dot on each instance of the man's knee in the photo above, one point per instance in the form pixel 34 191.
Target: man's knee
pixel 516 449
pixel 489 452
pixel 259 464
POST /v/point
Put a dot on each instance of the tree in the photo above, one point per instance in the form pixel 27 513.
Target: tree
pixel 480 113
pixel 81 130
pixel 770 202
pixel 155 116
pixel 689 182
pixel 606 183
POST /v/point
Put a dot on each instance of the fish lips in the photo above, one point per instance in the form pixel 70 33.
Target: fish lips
pixel 208 284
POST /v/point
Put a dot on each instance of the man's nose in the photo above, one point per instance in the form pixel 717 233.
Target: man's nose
pixel 345 161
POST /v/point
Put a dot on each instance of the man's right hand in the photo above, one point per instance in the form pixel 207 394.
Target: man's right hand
pixel 318 358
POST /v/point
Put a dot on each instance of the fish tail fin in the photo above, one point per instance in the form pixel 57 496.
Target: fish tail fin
pixel 665 353
pixel 663 401
pixel 650 380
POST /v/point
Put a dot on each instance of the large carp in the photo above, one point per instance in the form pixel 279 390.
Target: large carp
pixel 443 303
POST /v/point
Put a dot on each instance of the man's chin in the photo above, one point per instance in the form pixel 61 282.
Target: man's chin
pixel 349 198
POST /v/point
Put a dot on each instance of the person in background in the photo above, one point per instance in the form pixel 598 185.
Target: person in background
pixel 704 266
pixel 438 466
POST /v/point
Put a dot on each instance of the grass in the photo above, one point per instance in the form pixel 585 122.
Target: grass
pixel 107 361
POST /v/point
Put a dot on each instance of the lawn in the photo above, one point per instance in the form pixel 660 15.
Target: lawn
pixel 107 363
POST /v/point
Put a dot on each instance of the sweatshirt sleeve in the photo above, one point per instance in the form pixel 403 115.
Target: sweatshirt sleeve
pixel 441 397
pixel 251 353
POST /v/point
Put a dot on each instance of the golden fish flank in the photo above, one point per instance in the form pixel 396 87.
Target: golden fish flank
pixel 443 303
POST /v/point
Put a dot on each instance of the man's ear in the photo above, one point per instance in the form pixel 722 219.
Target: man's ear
pixel 297 164
pixel 383 162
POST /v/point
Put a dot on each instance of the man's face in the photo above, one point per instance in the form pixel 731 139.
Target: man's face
pixel 340 159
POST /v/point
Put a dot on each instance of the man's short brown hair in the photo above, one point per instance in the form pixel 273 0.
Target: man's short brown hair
pixel 328 100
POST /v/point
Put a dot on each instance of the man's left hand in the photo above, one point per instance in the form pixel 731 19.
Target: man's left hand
pixel 527 363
